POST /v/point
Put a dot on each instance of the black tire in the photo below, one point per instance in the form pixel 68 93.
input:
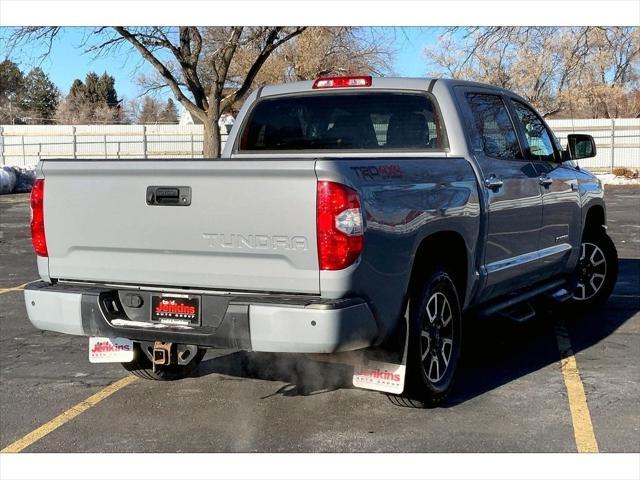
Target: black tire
pixel 142 367
pixel 430 374
pixel 597 271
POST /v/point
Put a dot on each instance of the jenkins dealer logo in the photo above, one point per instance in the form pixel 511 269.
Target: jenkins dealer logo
pixel 108 347
pixel 379 374
pixel 171 306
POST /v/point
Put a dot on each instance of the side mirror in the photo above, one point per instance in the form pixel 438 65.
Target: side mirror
pixel 581 146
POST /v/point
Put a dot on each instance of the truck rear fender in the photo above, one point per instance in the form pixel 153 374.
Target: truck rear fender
pixel 405 201
pixel 448 249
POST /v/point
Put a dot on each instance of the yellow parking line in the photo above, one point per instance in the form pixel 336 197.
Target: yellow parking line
pixel 63 418
pixel 580 416
pixel 14 289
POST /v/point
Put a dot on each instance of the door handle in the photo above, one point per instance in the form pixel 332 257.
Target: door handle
pixel 545 181
pixel 493 182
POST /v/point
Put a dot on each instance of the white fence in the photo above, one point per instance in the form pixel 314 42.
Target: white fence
pixel 617 140
pixel 27 144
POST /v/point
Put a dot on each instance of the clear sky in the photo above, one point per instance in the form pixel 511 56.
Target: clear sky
pixel 68 62
pixel 410 43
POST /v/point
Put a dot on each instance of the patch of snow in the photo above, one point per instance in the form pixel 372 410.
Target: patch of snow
pixel 611 179
pixel 17 179
pixel 7 180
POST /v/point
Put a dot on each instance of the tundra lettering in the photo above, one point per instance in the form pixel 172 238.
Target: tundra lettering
pixel 255 242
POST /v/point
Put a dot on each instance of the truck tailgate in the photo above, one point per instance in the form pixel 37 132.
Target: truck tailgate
pixel 250 224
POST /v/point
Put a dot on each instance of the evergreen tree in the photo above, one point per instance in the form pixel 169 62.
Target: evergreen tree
pixel 11 87
pixel 96 90
pixel 169 113
pixel 94 100
pixel 11 79
pixel 107 90
pixel 77 90
pixel 91 90
pixel 40 96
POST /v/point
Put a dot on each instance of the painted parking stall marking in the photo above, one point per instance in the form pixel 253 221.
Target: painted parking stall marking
pixel 14 289
pixel 580 415
pixel 67 416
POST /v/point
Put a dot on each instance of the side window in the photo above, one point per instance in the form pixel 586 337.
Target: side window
pixel 539 141
pixel 493 132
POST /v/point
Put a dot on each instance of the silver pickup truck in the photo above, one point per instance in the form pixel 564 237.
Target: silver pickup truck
pixel 346 214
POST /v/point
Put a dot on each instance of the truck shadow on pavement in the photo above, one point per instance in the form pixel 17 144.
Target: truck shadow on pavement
pixel 495 351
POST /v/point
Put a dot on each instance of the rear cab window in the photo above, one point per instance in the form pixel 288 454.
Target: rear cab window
pixel 364 121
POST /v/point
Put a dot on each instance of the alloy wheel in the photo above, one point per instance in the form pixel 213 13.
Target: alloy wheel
pixel 436 342
pixel 592 271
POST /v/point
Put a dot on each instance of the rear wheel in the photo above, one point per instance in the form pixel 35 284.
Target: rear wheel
pixel 141 366
pixel 597 271
pixel 435 336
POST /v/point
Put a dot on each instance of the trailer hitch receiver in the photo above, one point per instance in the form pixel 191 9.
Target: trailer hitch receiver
pixel 161 353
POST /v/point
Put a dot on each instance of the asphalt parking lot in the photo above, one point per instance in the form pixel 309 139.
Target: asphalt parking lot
pixel 511 395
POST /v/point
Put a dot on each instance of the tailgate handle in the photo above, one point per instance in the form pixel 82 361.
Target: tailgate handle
pixel 169 195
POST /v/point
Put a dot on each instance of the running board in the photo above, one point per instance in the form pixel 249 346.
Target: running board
pixel 560 296
pixel 494 308
pixel 520 313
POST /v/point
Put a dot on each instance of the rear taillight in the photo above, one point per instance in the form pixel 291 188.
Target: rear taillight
pixel 336 82
pixel 37 219
pixel 339 226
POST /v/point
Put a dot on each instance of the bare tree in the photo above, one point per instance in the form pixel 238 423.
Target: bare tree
pixel 131 110
pixel 151 111
pixel 196 72
pixel 576 70
pixel 609 81
pixel 322 51
pixel 71 112
pixel 210 69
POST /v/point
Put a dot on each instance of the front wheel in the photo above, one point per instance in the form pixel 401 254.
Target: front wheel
pixel 597 271
pixel 434 340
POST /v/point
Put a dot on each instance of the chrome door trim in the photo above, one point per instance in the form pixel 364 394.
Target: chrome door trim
pixel 527 258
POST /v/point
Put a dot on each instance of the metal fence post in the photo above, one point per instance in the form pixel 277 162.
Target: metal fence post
pixel 4 162
pixel 613 143
pixel 192 148
pixel 106 153
pixel 75 143
pixel 24 156
pixel 144 141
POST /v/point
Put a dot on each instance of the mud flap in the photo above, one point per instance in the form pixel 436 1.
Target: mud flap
pixel 379 369
pixel 106 350
pixel 382 368
pixel 381 376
